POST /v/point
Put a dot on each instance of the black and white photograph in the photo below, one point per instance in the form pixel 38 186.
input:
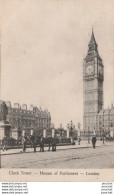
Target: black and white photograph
pixel 57 85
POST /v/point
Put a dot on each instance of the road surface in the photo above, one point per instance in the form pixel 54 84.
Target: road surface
pixel 101 157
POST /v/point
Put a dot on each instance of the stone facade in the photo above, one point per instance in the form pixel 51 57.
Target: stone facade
pixel 95 118
pixel 21 118
pixel 93 77
pixel 105 119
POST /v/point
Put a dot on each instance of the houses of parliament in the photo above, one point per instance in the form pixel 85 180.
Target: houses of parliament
pixel 95 117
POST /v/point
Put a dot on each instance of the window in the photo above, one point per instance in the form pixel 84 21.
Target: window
pixel 89 85
pixel 91 47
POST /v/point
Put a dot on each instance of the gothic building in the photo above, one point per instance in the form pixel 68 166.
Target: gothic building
pixel 105 118
pixel 94 117
pixel 93 77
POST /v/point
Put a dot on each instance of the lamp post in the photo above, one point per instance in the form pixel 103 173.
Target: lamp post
pixel 31 132
pixel 88 135
pixel 111 128
pixel 79 125
pixel 53 132
pixel 23 132
pixel 103 135
pixel 111 123
pixel 103 130
pixel 100 128
pixel 94 132
pixel 71 132
pixel 71 128
pixel 71 125
pixel 68 130
pixel 100 133
pixel 79 139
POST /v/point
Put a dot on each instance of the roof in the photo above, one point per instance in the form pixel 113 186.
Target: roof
pixel 1 102
pixel 112 111
pixel 101 112
pixel 92 40
pixel 107 111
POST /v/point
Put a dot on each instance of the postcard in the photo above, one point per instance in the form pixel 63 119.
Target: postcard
pixel 57 91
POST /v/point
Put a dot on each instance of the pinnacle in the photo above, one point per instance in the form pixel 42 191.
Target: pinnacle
pixel 92 40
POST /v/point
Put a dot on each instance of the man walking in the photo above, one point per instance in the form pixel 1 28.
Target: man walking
pixel 49 143
pixel 42 144
pixel 93 141
pixel 24 143
pixel 4 143
pixel 33 142
pixel 79 140
pixel 53 145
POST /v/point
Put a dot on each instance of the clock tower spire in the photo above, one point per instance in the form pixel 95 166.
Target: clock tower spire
pixel 93 76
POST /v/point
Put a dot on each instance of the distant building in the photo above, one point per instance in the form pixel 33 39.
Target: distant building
pixel 22 118
pixel 105 119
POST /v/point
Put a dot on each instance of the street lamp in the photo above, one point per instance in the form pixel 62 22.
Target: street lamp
pixel 88 135
pixel 103 133
pixel 68 130
pixel 71 125
pixel 23 132
pixel 100 133
pixel 111 123
pixel 68 125
pixel 94 132
pixel 103 130
pixel 100 128
pixel 79 125
pixel 71 128
pixel 71 132
pixel 31 132
pixel 111 129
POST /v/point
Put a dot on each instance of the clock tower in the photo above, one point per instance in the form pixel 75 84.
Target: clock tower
pixel 93 77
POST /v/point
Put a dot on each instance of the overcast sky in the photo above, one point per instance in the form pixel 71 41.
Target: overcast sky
pixel 43 47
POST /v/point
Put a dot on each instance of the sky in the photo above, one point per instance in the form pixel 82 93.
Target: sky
pixel 43 44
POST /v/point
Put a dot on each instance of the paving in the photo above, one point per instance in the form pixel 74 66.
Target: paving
pixel 83 144
pixel 74 156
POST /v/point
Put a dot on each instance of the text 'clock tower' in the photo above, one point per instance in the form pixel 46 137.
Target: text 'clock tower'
pixel 93 76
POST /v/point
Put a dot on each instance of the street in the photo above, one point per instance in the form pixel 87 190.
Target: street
pixel 101 157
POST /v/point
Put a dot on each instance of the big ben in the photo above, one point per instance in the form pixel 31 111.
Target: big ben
pixel 93 77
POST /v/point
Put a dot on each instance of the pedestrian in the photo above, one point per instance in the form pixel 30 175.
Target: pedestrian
pixel 33 141
pixel 79 140
pixel 93 141
pixel 42 144
pixel 4 143
pixel 53 145
pixel 31 138
pixel 34 144
pixel 24 141
pixel 49 143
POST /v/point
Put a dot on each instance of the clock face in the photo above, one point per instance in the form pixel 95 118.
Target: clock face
pixel 90 69
pixel 100 70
